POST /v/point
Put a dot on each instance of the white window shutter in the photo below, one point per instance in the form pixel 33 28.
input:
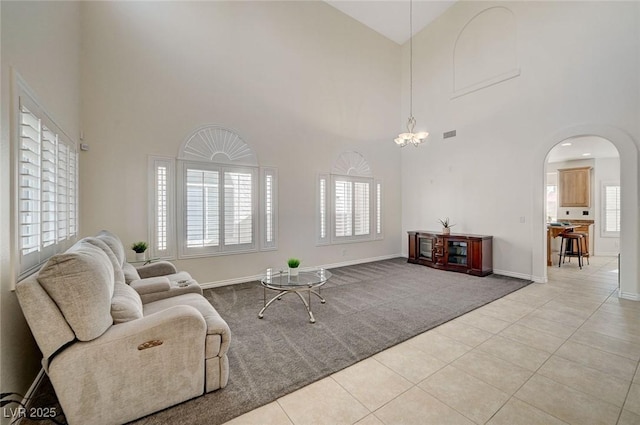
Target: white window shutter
pixel 29 187
pixel 162 207
pixel 46 184
pixel 322 230
pixel 269 205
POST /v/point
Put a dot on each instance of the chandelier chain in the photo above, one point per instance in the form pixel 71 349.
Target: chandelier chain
pixel 411 58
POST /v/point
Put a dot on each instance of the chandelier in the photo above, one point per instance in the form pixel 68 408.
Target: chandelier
pixel 410 137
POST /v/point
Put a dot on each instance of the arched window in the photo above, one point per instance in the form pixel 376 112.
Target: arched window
pixel 224 203
pixel 349 202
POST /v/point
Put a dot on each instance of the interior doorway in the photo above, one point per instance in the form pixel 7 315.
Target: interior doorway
pixel 595 210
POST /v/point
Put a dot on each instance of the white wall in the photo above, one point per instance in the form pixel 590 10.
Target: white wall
pixel 40 40
pixel 578 66
pixel 299 81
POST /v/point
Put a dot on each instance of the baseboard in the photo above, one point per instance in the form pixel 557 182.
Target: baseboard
pixel 216 284
pixel 537 279
pixel 628 295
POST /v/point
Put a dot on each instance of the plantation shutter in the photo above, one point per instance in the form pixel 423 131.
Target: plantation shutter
pixel 202 208
pixel 269 205
pixel 361 209
pixel 161 207
pixel 343 201
pixel 63 192
pixel 238 208
pixel 46 186
pixel 612 208
pixel 29 187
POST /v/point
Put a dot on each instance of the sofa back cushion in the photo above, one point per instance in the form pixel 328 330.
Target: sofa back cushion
pixel 126 304
pixel 81 283
pixel 113 242
pixel 118 274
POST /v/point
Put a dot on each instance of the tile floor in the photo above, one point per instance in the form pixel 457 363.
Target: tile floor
pixel 564 352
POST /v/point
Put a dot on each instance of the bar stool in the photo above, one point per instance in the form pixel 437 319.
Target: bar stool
pixel 568 250
pixel 585 246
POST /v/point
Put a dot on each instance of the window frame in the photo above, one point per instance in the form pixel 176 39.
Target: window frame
pixel 334 178
pixel 169 252
pixel 603 229
pixel 60 198
pixel 222 248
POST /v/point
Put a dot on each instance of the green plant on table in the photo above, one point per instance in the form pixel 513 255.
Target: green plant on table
pixel 293 263
pixel 139 247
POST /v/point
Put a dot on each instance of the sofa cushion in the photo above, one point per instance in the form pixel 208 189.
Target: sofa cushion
pixel 80 281
pixel 130 272
pixel 125 304
pixel 118 274
pixel 151 285
pixel 113 242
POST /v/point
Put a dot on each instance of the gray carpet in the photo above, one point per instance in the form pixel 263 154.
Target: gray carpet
pixel 369 308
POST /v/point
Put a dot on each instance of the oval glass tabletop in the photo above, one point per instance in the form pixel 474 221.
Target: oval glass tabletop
pixel 281 279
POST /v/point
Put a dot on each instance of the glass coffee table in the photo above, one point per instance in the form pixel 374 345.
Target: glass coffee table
pixel 308 281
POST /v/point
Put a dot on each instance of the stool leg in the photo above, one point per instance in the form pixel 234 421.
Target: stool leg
pixel 560 257
pixel 579 243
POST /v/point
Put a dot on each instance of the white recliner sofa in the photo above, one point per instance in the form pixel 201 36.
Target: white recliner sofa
pixel 113 354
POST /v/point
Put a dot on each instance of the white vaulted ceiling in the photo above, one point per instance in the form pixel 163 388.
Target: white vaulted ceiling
pixel 391 17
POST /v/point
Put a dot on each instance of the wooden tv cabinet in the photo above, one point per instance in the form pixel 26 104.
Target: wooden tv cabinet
pixel 471 254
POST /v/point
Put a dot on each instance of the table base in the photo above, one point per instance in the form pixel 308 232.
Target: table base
pixel 297 291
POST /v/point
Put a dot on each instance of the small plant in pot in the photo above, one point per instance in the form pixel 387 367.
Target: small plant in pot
pixel 139 248
pixel 446 225
pixel 293 264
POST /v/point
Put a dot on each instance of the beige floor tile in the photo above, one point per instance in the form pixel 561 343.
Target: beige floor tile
pixel 500 373
pixel 515 352
pixel 417 407
pixel 464 333
pixel 372 383
pixel 607 343
pixel 408 361
pixel 470 396
pixel 582 378
pixel 532 338
pixel 612 364
pixel 560 317
pixel 622 328
pixel 481 321
pixel 531 299
pixel 370 420
pixel 439 346
pixel 565 403
pixel 323 402
pixel 636 377
pixel 517 412
pixel 628 418
pixel 548 326
pixel 509 311
pixel 269 414
pixel 633 399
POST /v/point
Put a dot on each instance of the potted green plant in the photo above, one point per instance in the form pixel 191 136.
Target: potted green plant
pixel 293 264
pixel 446 225
pixel 139 248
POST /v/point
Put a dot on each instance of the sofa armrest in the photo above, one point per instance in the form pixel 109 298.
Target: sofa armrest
pixel 151 285
pixel 160 268
pixel 133 369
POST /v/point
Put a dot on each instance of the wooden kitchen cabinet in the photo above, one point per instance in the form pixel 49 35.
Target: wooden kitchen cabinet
pixel 471 254
pixel 575 187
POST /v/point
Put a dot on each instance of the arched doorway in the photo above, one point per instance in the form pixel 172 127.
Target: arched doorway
pixel 629 239
pixel 599 216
